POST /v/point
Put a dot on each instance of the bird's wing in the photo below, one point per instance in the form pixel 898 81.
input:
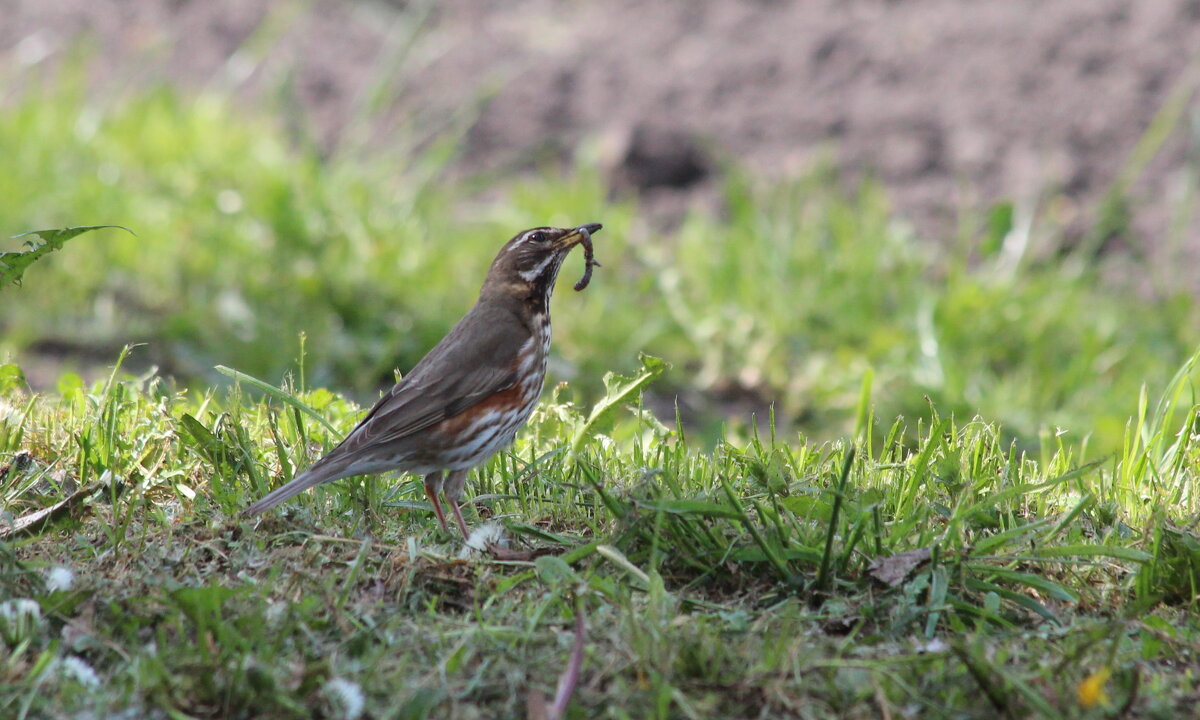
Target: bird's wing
pixel 477 359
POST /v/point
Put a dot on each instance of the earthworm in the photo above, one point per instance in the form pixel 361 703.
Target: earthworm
pixel 589 262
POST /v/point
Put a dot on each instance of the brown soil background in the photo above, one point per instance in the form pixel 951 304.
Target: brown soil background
pixel 952 104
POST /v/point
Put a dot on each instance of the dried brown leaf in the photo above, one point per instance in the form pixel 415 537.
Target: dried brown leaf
pixel 893 570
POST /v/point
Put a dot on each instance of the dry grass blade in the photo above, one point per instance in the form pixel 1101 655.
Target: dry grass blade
pixel 35 520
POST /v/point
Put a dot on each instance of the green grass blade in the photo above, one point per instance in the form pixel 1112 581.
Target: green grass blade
pixel 280 395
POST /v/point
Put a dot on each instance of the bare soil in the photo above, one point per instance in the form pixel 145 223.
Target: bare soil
pixel 953 104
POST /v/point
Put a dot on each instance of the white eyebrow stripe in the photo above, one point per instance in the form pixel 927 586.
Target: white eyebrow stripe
pixel 529 234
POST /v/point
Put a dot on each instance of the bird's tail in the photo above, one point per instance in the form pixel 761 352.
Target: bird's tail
pixel 319 473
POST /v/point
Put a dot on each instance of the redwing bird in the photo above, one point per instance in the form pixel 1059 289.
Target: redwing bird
pixel 466 399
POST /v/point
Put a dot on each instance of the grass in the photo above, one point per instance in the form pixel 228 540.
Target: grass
pixel 247 242
pixel 976 496
pixel 731 583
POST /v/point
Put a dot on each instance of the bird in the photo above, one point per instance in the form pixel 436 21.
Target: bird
pixel 466 399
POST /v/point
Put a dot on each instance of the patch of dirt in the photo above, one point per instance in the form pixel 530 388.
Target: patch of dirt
pixel 950 103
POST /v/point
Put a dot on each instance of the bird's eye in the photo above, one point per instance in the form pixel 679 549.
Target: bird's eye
pixel 538 237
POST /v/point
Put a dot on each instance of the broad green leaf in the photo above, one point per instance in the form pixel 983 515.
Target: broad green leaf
pixel 11 377
pixel 69 385
pixel 618 390
pixel 554 571
pixel 14 264
pixel 808 507
pixel 202 605
pixel 206 442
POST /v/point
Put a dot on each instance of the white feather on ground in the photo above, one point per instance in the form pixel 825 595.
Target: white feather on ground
pixel 482 538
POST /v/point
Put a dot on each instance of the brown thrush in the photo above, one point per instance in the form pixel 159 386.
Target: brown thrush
pixel 465 399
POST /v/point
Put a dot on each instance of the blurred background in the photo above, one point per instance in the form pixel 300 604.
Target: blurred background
pixel 980 207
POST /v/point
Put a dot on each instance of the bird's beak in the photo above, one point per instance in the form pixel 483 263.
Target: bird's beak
pixel 577 235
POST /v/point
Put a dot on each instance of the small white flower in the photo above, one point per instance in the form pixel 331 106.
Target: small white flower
pixel 276 611
pixel 20 619
pixel 13 609
pixel 346 697
pixel 59 578
pixel 936 645
pixel 77 669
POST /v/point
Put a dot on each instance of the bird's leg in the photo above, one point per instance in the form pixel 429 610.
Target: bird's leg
pixel 462 525
pixel 454 489
pixel 433 485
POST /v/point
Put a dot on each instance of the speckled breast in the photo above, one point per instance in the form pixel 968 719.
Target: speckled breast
pixel 485 428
